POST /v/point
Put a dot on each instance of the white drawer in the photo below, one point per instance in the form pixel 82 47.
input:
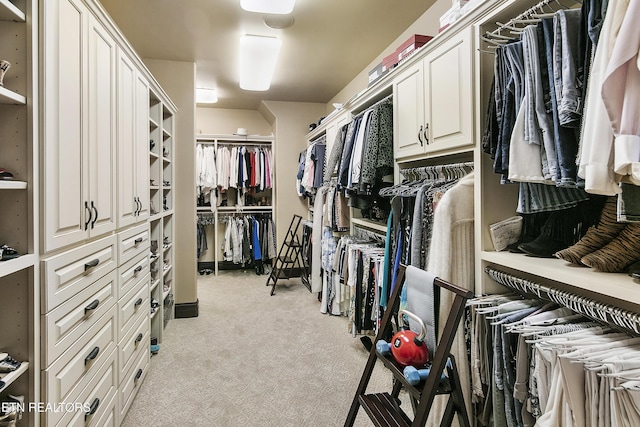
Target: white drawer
pixel 68 273
pixel 137 338
pixel 98 396
pixel 69 374
pixel 136 301
pixel 131 382
pixel 110 416
pixel 133 242
pixel 65 324
pixel 131 273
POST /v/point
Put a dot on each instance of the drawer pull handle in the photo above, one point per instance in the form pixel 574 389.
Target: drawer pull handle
pixel 137 241
pixel 138 375
pixel 420 136
pixel 138 302
pixel 93 408
pixel 94 304
pixel 137 270
pixel 138 338
pixel 92 355
pixel 91 264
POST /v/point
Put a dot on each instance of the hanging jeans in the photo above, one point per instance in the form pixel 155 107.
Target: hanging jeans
pixel 564 138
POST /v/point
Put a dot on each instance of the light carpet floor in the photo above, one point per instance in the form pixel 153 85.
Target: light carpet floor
pixel 251 359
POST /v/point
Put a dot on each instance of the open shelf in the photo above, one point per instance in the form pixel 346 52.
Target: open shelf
pixel 153 155
pixel 12 185
pixel 10 97
pixel 378 226
pixel 155 284
pixel 155 313
pixel 608 285
pixel 9 12
pixel 165 272
pixel 13 265
pixel 166 294
pixel 152 124
pixel 166 160
pixel 10 377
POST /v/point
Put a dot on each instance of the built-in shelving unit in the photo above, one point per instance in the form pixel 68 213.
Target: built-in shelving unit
pixel 161 174
pixel 19 277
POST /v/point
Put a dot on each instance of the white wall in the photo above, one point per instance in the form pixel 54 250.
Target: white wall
pixel 291 125
pixel 227 121
pixel 178 79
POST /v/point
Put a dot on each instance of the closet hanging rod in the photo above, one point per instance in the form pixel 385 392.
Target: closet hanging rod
pixel 321 139
pixel 425 170
pixel 615 317
pixel 526 17
pixel 387 98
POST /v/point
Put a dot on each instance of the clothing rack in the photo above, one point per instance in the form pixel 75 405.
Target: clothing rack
pixel 387 98
pixel 529 16
pixel 437 171
pixel 319 140
pixel 362 233
pixel 611 315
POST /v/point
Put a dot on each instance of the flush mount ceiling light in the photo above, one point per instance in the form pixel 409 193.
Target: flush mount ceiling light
pixel 206 96
pixel 258 57
pixel 278 7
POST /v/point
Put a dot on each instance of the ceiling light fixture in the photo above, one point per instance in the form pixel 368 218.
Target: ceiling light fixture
pixel 206 96
pixel 279 7
pixel 258 57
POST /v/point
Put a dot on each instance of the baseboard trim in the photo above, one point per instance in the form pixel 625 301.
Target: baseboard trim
pixel 186 309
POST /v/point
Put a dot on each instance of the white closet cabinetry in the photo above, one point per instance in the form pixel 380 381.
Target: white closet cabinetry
pixel 433 100
pixel 79 125
pixel 133 136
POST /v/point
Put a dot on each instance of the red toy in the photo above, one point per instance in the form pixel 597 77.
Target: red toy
pixel 407 347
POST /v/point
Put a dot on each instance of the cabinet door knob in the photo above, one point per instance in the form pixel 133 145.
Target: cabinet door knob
pixel 93 408
pixel 92 355
pixel 95 218
pixel 91 264
pixel 94 304
pixel 90 214
pixel 420 136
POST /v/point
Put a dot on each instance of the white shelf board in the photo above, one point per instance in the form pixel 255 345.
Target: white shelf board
pixel 155 217
pixel 154 187
pixel 613 285
pixel 10 97
pixel 370 224
pixel 153 155
pixel 167 248
pixel 17 264
pixel 155 313
pixel 165 134
pixel 166 159
pixel 12 185
pixel 154 285
pixel 165 272
pixel 242 208
pixel 9 12
pixel 152 123
pixel 165 294
pixel 10 377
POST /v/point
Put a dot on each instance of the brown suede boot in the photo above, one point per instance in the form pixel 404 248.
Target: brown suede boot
pixel 620 253
pixel 597 236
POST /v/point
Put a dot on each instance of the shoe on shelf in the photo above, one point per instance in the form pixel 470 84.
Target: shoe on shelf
pixel 153 255
pixel 8 364
pixel 5 174
pixel 7 252
pixel 154 303
pixel 10 419
pixel 166 183
pixel 151 144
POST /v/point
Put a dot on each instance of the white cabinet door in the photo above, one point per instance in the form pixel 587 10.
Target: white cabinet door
pixel 128 204
pixel 102 129
pixel 64 97
pixel 408 112
pixel 142 146
pixel 448 83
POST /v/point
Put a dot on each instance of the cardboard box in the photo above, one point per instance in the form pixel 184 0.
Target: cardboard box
pixel 409 46
pixel 376 73
pixel 450 16
pixel 389 61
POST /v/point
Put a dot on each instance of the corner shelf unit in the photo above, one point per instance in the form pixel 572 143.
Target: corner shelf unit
pixel 19 277
pixel 162 222
pixel 220 212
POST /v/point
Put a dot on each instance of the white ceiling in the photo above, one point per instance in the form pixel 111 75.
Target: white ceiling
pixel 330 42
